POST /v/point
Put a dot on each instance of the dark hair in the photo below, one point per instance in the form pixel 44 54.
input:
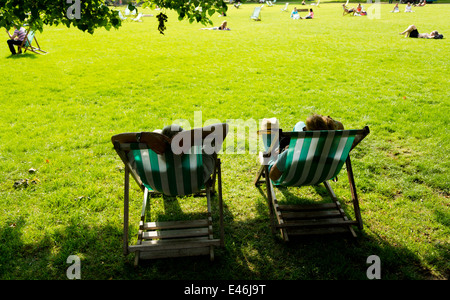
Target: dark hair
pixel 171 130
pixel 310 9
pixel 319 122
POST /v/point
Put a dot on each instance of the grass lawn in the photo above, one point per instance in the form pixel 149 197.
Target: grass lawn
pixel 59 111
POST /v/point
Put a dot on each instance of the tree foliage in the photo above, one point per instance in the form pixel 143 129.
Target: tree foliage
pixel 93 14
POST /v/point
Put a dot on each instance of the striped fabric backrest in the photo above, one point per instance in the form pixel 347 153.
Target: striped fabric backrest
pixel 167 173
pixel 316 156
pixel 30 37
pixel 172 166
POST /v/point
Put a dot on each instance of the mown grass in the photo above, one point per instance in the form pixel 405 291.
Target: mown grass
pixel 60 110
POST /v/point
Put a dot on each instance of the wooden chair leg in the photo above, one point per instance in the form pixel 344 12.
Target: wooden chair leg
pixel 219 184
pixel 351 181
pixel 269 196
pixel 125 211
pixel 258 176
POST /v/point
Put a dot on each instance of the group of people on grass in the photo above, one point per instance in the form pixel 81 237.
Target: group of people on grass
pixel 408 7
pixel 19 34
pixel 358 11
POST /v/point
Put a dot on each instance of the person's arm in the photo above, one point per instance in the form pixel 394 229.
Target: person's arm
pixel 9 34
pixel 274 173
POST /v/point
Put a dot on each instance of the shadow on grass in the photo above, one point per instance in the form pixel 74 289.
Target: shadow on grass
pixel 340 256
pixel 251 252
pixel 22 56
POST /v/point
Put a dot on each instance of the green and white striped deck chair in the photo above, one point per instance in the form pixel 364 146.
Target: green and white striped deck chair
pixel 163 173
pixel 314 157
pixel 27 43
pixel 172 167
pixel 256 15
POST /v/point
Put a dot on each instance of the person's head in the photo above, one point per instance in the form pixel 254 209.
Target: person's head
pixel 434 33
pixel 171 130
pixel 224 24
pixel 310 10
pixel 319 122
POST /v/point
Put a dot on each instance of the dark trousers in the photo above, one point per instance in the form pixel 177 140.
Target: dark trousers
pixel 11 44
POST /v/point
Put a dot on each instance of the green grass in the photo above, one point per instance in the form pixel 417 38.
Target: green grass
pixel 60 110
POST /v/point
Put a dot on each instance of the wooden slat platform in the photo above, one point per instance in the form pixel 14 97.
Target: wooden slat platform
pixel 314 219
pixel 154 249
pixel 174 224
pixel 174 239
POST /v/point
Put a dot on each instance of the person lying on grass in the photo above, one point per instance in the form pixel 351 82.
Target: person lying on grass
pixel 314 122
pixel 412 32
pixel 222 26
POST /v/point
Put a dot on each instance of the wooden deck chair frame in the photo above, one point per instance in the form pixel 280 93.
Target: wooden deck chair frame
pixel 138 18
pixel 27 43
pixel 121 16
pixel 313 219
pixel 170 238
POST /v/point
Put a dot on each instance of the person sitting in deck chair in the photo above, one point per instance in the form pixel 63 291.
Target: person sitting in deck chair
pixel 348 11
pixel 16 39
pixel 314 122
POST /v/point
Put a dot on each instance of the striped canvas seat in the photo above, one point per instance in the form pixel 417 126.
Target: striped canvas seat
pixel 29 39
pixel 170 174
pixel 27 43
pixel 315 156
